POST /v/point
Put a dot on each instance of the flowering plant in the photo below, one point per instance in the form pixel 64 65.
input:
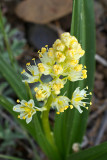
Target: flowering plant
pixel 62 63
pixel 67 92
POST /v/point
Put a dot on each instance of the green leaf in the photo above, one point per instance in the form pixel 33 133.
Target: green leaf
pixel 83 28
pixel 34 128
pixel 9 157
pixel 13 79
pixel 94 153
pixel 70 126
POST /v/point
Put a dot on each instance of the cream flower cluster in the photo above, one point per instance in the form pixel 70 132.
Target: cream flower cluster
pixel 61 62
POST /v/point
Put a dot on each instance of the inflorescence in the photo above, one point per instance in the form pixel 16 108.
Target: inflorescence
pixel 61 62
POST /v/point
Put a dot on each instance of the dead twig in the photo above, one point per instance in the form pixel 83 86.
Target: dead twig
pixel 101 60
pixel 101 109
pixel 102 129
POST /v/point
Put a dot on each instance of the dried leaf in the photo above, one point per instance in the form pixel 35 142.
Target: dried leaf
pixel 43 11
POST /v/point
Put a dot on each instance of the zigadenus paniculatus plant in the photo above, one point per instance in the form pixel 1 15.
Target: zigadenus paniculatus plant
pixel 60 62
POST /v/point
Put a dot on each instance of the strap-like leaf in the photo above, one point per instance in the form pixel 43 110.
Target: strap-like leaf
pixel 13 79
pixel 34 128
pixel 70 126
pixel 94 153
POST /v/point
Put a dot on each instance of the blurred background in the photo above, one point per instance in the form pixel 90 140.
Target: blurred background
pixel 30 25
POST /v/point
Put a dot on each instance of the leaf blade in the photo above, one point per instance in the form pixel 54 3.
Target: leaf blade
pixel 92 153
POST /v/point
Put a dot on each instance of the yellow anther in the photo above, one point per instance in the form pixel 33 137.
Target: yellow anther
pixel 60 57
pixel 39 51
pixel 87 108
pixel 57 87
pixel 65 107
pixel 90 103
pixel 43 50
pixel 78 99
pixel 18 116
pixel 84 104
pixel 27 109
pixel 25 103
pixel 85 95
pixel 23 71
pixel 18 101
pixel 40 94
pixel 82 53
pixel 90 93
pixel 40 55
pixel 60 102
pixel 46 45
pixel 85 67
pixel 86 87
pixel 50 54
pixel 73 40
pixel 84 71
pixel 23 117
pixel 57 69
pixel 41 67
pixel 29 115
pixel 33 59
pixel 74 62
pixel 35 89
pixel 78 67
pixel 28 64
pixel 61 110
pixel 57 112
pixel 71 106
pixel 58 45
pixel 84 76
pixel 30 104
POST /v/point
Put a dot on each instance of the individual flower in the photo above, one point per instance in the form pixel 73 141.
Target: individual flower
pixel 60 57
pixel 61 103
pixel 48 58
pixel 75 53
pixel 75 72
pixel 58 45
pixel 57 69
pixel 42 92
pixel 67 39
pixel 34 74
pixel 78 98
pixel 57 84
pixel 26 109
pixel 44 68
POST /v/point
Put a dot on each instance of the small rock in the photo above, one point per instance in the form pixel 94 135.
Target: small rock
pixel 41 35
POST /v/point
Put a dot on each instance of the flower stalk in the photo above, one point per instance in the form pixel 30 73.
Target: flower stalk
pixel 45 121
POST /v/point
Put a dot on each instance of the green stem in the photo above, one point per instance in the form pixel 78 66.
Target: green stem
pixel 6 40
pixel 45 121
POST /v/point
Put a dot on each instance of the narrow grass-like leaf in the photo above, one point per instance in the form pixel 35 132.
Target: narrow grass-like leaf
pixel 85 33
pixel 13 79
pixel 94 153
pixel 70 126
pixel 34 128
